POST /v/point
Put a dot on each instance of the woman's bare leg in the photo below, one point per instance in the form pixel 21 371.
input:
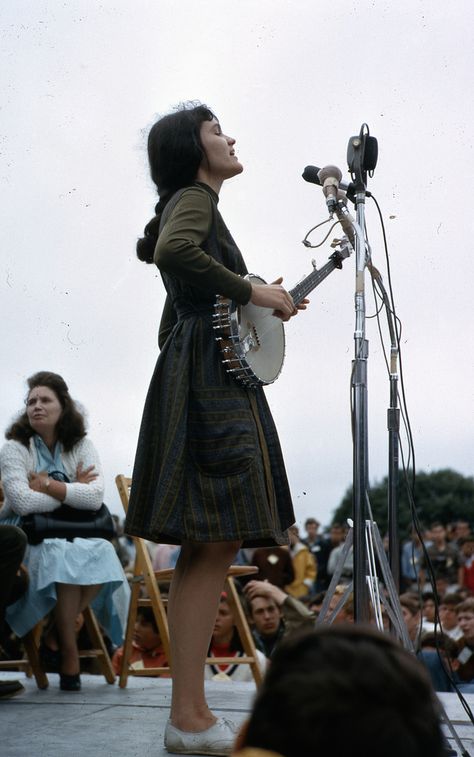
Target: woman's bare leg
pixel 88 593
pixel 197 582
pixel 67 609
pixel 71 601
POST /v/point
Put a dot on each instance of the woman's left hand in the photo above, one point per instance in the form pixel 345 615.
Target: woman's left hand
pixel 284 316
pixel 85 475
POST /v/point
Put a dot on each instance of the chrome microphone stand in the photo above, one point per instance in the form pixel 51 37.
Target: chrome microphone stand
pixel 362 158
pixel 360 462
pixel 329 177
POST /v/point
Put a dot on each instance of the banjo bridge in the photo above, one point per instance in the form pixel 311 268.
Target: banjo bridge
pixel 251 341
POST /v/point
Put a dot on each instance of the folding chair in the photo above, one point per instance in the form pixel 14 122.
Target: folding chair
pixel 99 650
pixel 144 575
pixel 30 664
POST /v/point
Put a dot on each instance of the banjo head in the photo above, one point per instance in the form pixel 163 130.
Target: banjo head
pixel 251 339
pixel 266 335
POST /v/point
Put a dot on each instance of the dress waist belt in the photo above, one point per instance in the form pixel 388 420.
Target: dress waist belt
pixel 191 311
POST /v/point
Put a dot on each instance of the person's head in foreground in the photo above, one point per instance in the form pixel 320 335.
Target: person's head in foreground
pixel 345 690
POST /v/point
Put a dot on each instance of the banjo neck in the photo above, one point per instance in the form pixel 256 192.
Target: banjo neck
pixel 310 282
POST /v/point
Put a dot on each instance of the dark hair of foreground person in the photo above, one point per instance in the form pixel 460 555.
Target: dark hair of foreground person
pixel 345 691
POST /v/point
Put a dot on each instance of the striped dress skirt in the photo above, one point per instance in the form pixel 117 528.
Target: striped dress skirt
pixel 208 465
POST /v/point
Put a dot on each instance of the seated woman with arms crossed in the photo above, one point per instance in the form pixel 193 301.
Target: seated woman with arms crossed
pixel 48 442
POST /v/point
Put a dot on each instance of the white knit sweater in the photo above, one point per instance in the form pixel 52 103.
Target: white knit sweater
pixel 17 461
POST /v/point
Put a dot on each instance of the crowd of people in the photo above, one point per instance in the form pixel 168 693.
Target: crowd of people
pixel 288 591
pixel 286 594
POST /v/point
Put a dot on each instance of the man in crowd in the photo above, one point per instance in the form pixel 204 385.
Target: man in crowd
pixel 467 556
pixel 462 530
pixel 410 561
pixel 274 615
pixel 336 538
pixel 304 566
pixel 274 564
pixel 313 538
pixel 444 558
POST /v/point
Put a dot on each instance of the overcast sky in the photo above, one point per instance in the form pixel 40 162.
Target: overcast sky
pixel 81 83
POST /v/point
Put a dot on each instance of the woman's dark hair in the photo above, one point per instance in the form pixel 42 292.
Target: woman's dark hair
pixel 345 690
pixel 235 642
pixel 174 154
pixel 148 616
pixel 71 426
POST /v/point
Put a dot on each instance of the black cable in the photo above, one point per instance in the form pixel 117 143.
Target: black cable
pixel 410 481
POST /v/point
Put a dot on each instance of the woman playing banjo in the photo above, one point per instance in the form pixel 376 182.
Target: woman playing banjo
pixel 209 472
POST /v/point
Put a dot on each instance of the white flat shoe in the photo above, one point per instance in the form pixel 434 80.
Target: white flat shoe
pixel 217 740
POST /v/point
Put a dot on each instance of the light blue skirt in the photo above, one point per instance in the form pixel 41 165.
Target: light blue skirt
pixel 82 562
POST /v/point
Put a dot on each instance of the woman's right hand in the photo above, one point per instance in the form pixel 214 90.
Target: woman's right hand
pixel 274 296
pixel 85 475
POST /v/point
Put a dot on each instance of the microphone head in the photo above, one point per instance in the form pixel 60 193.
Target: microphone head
pixel 371 153
pixel 329 171
pixel 310 174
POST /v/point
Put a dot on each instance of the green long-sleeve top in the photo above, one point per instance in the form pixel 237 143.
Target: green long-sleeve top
pixel 179 253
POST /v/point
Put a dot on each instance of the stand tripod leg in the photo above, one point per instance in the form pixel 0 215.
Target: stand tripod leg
pixel 446 721
pixel 394 610
pixel 334 582
pixel 392 593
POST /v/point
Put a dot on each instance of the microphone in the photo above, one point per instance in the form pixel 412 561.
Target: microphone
pixel 329 177
pixel 310 174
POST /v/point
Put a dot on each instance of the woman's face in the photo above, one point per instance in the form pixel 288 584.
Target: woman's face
pixel 224 624
pixel 43 409
pixel 220 161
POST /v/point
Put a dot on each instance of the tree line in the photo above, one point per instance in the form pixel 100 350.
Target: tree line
pixel 442 495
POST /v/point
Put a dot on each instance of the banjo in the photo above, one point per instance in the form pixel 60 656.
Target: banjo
pixel 251 338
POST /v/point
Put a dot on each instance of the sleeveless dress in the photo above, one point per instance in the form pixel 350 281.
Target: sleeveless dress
pixel 208 465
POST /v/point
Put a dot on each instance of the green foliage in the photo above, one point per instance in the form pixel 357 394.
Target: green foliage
pixel 443 495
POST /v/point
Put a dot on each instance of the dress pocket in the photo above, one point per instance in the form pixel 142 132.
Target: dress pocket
pixel 222 436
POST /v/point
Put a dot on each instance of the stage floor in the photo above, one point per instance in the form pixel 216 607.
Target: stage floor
pixel 105 720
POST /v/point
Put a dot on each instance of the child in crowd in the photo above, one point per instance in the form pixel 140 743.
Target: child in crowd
pixel 438 652
pixel 411 611
pixel 147 649
pixel 226 642
pixel 429 612
pixel 465 613
pixel 448 615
